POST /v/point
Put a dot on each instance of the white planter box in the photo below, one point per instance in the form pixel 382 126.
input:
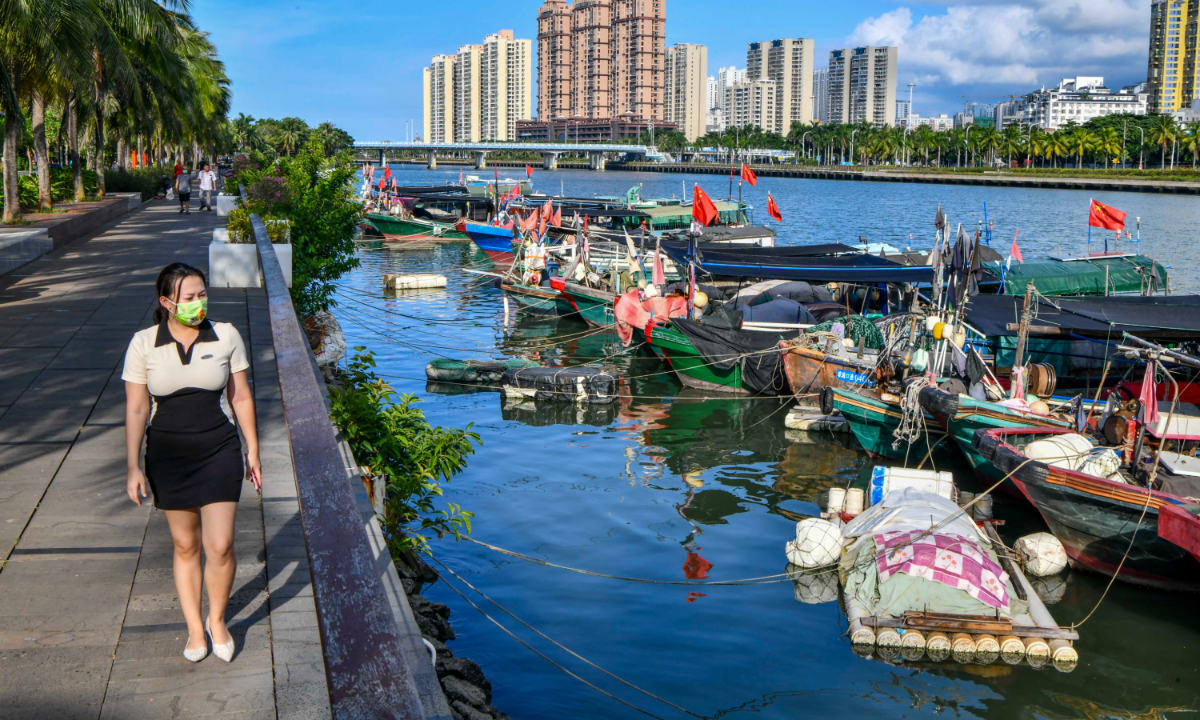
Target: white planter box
pixel 236 265
pixel 226 204
pixel 221 235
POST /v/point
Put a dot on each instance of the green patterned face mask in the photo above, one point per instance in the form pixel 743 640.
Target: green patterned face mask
pixel 192 313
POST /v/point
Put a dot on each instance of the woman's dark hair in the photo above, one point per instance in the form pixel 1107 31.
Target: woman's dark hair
pixel 168 284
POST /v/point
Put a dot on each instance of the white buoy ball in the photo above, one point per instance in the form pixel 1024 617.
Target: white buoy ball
pixel 1041 554
pixel 651 291
pixel 818 543
pixel 701 299
pixel 813 588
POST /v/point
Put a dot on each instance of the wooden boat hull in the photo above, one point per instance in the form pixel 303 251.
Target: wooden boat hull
pixel 537 300
pixel 811 371
pixel 414 229
pixel 1096 519
pixel 689 365
pixel 873 423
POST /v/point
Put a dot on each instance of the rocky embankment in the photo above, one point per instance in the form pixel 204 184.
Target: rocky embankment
pixel 467 690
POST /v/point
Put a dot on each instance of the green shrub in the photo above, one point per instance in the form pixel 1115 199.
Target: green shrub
pixel 62 186
pixel 240 230
pixel 392 438
pixel 146 180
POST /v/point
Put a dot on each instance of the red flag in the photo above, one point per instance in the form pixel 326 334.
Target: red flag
pixel 748 175
pixel 556 221
pixel 393 183
pixel 387 171
pixel 542 225
pixel 530 222
pixel 1103 216
pixel 1015 252
pixel 528 171
pixel 548 209
pixel 703 209
pixel 381 182
pixel 773 209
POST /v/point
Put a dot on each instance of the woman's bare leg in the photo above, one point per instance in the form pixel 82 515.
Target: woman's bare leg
pixel 185 533
pixel 220 563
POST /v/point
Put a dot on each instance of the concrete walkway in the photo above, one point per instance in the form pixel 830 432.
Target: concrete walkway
pixel 90 625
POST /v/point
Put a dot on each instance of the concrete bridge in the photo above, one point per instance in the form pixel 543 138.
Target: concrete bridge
pixel 549 151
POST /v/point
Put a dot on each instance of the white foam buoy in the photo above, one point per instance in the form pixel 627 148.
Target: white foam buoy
pixel 854 501
pixel 1041 554
pixel 837 500
pixel 419 281
pixel 818 543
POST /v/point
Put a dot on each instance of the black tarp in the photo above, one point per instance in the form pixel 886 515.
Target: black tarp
pixel 762 370
pixel 1162 316
pixel 429 190
pixel 825 268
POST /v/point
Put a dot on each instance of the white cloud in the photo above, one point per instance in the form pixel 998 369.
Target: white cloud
pixel 1013 42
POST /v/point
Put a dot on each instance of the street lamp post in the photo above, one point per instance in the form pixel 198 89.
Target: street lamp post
pixel 967 141
pixel 852 134
pixel 1142 150
pixel 1124 132
pixel 804 147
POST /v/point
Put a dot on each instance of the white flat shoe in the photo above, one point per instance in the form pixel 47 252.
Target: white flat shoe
pixel 225 652
pixel 197 654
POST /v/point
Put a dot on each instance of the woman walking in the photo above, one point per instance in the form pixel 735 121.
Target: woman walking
pixel 187 376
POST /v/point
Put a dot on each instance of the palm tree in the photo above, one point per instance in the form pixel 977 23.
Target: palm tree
pixel 1108 143
pixel 1162 133
pixel 1057 146
pixel 1012 142
pixel 1191 141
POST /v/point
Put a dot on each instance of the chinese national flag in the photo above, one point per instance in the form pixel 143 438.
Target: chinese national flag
pixel 1103 216
pixel 556 221
pixel 387 171
pixel 528 171
pixel 381 183
pixel 773 209
pixel 748 175
pixel 703 209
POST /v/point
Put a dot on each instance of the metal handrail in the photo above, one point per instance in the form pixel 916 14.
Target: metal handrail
pixel 364 661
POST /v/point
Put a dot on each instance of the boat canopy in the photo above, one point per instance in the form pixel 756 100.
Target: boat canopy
pixel 429 190
pixel 821 268
pixel 1096 276
pixel 1163 316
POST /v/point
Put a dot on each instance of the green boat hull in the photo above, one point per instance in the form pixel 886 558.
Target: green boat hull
pixel 594 306
pixel 874 423
pixel 532 300
pixel 966 422
pixel 690 366
pixel 395 228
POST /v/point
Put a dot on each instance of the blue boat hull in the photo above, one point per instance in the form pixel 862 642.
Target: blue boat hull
pixel 495 242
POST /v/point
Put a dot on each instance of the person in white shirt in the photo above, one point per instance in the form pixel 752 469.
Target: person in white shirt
pixel 208 183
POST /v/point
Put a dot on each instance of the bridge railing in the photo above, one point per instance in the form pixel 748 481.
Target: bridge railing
pixel 366 625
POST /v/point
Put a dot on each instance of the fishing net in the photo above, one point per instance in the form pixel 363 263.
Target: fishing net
pixel 857 327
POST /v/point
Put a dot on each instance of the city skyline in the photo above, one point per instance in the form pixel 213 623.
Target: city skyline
pixel 371 82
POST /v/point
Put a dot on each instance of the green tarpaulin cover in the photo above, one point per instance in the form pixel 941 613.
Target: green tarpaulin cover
pixel 1080 277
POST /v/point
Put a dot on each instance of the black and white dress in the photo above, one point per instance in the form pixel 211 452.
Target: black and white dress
pixel 193 454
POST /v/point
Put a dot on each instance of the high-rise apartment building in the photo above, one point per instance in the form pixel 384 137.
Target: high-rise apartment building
pixel 903 109
pixel 862 85
pixel 506 95
pixel 1171 75
pixel 751 102
pixel 602 58
pixel 438 85
pixel 821 95
pixel 467 89
pixel 789 64
pixel 686 88
pixel 481 92
pixel 710 93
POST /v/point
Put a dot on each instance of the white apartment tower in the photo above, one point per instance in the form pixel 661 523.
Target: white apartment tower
pixel 467 87
pixel 438 86
pixel 751 102
pixel 862 85
pixel 506 85
pixel 481 92
pixel 686 92
pixel 789 64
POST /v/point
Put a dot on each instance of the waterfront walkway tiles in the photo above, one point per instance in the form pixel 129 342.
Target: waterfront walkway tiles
pixel 90 625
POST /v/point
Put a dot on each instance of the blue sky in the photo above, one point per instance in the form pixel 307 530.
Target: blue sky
pixel 359 64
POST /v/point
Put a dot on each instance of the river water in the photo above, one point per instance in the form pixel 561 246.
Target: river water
pixel 670 482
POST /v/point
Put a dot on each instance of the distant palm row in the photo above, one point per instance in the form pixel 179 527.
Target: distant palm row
pixel 138 70
pixel 1114 137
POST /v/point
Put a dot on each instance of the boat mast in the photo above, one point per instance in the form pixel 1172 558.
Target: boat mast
pixel 1018 373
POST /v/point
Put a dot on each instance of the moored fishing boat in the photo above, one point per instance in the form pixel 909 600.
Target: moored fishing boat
pixel 495 241
pixel 537 300
pixel 874 421
pixel 412 229
pixel 1103 523
pixel 594 305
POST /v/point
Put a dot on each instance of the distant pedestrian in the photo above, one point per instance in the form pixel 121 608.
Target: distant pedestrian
pixel 178 169
pixel 185 388
pixel 208 182
pixel 183 188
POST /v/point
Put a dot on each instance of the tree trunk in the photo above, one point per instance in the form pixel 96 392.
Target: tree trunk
pixel 72 108
pixel 195 155
pixel 12 135
pixel 141 151
pixel 98 145
pixel 38 119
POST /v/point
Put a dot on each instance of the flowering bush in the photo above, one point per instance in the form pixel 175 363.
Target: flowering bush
pixel 270 191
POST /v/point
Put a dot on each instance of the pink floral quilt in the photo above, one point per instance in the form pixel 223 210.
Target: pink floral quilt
pixel 948 559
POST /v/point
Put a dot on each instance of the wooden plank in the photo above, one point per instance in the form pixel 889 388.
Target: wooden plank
pixel 364 661
pixel 976 628
pixel 1037 329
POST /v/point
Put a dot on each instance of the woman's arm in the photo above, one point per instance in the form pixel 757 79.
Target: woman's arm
pixel 243 407
pixel 137 409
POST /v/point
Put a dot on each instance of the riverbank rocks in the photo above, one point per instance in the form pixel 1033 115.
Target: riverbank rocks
pixel 467 690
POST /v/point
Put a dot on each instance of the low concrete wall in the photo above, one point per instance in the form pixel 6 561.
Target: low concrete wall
pixel 21 245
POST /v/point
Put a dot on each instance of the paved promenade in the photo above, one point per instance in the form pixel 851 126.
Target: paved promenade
pixel 90 625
